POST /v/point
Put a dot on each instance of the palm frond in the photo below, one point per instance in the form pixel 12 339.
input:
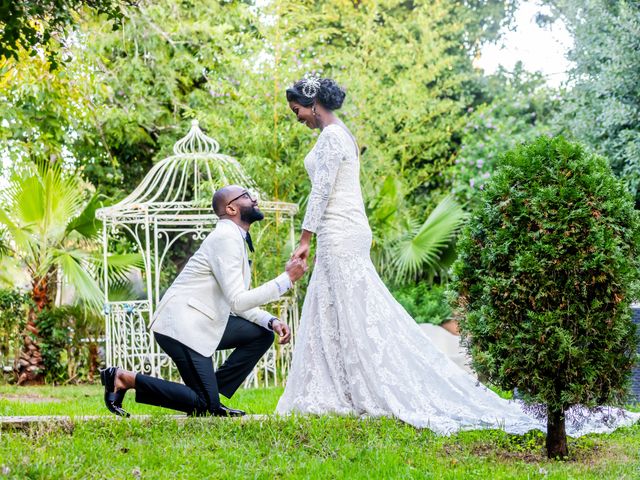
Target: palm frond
pixel 37 205
pixel 73 264
pixel 383 208
pixel 46 197
pixel 36 208
pixel 4 244
pixel 13 232
pixel 123 291
pixel 422 250
pixel 64 198
pixel 12 273
pixel 118 266
pixel 86 223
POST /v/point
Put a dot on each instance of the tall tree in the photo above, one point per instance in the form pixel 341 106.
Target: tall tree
pixel 603 100
pixel 41 25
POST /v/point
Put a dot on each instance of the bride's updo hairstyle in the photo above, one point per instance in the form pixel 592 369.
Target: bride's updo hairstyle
pixel 324 91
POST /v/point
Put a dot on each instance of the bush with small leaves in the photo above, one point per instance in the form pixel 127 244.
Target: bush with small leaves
pixel 547 269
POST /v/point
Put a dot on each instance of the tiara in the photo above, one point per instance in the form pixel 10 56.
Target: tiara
pixel 310 86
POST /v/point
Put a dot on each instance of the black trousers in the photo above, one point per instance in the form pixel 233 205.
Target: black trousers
pixel 202 384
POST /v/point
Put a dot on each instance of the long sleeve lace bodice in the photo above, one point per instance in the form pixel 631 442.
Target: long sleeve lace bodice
pixel 328 155
pixel 335 200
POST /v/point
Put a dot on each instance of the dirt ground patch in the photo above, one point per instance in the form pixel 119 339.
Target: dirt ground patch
pixel 591 452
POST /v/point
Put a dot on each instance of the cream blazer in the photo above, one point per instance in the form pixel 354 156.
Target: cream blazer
pixel 214 284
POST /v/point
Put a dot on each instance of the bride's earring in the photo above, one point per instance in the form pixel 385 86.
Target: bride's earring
pixel 315 116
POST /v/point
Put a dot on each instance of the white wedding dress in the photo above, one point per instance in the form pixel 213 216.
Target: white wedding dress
pixel 357 350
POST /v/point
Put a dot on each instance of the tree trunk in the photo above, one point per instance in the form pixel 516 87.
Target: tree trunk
pixel 93 361
pixel 556 435
pixel 30 366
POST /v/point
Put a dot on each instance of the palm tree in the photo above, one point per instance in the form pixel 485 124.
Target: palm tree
pixel 48 224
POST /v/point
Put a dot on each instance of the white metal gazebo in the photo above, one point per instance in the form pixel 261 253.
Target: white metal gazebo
pixel 172 201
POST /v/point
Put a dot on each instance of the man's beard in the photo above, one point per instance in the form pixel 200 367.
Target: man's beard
pixel 251 214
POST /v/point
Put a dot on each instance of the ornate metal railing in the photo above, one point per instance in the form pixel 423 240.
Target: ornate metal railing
pixel 130 344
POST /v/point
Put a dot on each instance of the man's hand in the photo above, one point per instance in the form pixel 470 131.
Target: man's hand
pixel 295 268
pixel 283 331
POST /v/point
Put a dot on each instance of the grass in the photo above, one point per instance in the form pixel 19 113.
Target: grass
pixel 87 400
pixel 293 447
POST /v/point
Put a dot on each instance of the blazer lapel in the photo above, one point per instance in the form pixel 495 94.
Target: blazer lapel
pixel 234 230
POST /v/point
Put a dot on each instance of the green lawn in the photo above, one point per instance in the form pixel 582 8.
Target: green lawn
pixel 296 447
pixel 87 400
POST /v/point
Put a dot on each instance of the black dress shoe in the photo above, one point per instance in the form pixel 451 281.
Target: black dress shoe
pixel 223 411
pixel 112 399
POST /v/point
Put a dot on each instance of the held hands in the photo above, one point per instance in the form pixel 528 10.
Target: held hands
pixel 295 268
pixel 304 247
pixel 298 261
pixel 302 252
pixel 283 331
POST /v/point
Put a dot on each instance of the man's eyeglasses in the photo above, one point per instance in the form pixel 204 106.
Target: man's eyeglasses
pixel 247 194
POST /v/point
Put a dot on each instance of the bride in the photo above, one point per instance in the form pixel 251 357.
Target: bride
pixel 357 350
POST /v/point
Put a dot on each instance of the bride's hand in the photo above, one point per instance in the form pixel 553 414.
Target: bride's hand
pixel 302 252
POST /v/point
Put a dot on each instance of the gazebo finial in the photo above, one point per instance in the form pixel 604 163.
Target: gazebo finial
pixel 196 142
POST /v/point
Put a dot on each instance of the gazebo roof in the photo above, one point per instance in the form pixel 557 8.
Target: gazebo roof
pixel 180 187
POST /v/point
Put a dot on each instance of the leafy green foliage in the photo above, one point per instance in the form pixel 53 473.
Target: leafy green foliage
pixel 603 102
pixel 425 303
pixel 13 317
pixel 67 335
pixel 516 108
pixel 404 250
pixel 55 335
pixel 547 270
pixel 409 251
pixel 35 25
pixel 46 113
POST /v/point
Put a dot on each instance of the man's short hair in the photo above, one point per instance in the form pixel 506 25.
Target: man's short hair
pixel 218 202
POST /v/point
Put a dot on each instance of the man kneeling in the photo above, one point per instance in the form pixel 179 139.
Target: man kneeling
pixel 210 307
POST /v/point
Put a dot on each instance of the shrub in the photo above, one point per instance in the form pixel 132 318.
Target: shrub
pixel 547 269
pixel 13 317
pixel 426 304
pixel 69 343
